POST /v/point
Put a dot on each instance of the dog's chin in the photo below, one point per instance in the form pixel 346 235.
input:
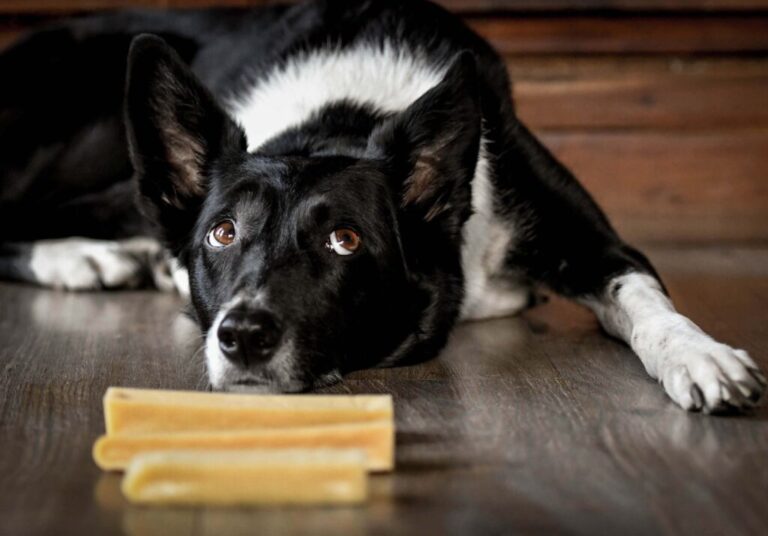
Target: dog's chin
pixel 260 387
pixel 254 385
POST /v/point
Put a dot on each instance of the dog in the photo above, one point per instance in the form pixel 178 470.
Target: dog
pixel 335 184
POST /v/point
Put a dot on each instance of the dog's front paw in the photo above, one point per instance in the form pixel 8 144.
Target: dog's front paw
pixel 83 264
pixel 712 377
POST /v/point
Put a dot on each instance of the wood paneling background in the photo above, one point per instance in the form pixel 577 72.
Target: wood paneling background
pixel 659 106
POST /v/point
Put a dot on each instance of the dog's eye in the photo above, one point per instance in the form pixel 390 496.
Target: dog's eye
pixel 343 241
pixel 223 234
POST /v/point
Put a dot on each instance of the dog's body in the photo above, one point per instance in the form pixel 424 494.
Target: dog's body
pixel 343 181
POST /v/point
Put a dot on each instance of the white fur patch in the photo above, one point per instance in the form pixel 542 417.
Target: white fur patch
pixel 85 264
pixel 697 372
pixel 386 77
pixel 488 292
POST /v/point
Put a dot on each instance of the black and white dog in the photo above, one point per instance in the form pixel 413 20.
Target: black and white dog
pixel 339 182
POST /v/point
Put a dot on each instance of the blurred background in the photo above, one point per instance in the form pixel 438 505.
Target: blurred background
pixel 660 107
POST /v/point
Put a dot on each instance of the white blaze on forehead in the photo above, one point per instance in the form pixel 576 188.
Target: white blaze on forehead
pixel 388 78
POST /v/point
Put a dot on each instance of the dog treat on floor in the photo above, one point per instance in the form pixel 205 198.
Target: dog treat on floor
pixel 376 439
pixel 316 476
pixel 148 411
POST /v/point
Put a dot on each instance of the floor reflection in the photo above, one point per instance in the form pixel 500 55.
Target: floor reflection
pixel 98 312
pixel 316 520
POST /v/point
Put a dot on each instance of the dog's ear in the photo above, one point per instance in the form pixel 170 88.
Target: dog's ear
pixel 175 130
pixel 432 147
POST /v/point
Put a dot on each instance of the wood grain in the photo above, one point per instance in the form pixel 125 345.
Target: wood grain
pixel 534 424
pixel 603 5
pixel 559 67
pixel 637 34
pixel 703 186
pixel 636 99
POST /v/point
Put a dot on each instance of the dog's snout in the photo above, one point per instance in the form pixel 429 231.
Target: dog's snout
pixel 248 336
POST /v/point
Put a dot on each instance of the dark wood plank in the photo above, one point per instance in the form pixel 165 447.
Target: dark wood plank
pixel 715 96
pixel 674 185
pixel 600 5
pixel 616 91
pixel 642 34
pixel 535 424
pixel 556 67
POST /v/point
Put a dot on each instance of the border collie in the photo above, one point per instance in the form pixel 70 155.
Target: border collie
pixel 335 184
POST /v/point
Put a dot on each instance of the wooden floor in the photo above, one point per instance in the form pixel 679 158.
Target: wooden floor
pixel 537 423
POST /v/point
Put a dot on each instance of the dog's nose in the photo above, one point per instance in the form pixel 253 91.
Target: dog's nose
pixel 248 336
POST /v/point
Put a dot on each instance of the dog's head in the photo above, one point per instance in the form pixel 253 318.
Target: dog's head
pixel 303 266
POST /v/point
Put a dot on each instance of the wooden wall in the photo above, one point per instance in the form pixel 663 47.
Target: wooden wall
pixel 659 106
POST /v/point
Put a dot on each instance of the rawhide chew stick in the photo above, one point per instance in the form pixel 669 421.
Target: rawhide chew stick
pixel 315 476
pixel 148 411
pixel 376 439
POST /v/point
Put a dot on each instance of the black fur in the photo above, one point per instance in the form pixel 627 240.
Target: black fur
pixel 401 180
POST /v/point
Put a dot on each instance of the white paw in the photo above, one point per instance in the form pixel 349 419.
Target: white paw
pixel 698 373
pixel 168 275
pixel 708 376
pixel 82 264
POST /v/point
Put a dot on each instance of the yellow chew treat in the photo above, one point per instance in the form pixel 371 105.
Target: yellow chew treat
pixel 148 411
pixel 375 438
pixel 313 476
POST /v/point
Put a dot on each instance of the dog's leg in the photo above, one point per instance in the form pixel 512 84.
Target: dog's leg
pixel 86 264
pixel 566 243
pixel 697 371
